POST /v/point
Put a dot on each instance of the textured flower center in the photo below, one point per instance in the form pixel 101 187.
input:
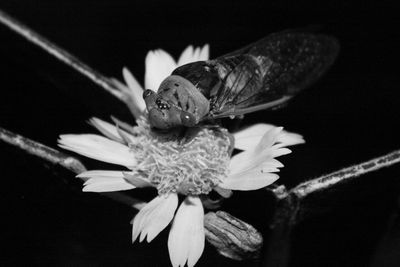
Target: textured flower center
pixel 191 165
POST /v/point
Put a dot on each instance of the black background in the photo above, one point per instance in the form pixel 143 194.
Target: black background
pixel 349 116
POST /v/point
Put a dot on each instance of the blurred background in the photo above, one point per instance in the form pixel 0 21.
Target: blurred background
pixel 349 116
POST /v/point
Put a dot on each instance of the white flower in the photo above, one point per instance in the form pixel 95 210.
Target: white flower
pixel 173 167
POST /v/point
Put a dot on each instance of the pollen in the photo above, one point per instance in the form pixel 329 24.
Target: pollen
pixel 191 165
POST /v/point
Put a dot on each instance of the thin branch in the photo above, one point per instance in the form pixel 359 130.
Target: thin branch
pixel 327 181
pixel 41 151
pixel 59 53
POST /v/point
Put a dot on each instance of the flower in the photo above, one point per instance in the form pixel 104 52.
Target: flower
pixel 191 167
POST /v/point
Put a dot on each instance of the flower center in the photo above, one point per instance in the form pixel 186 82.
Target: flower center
pixel 191 165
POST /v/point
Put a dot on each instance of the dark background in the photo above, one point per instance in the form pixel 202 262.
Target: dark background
pixel 349 116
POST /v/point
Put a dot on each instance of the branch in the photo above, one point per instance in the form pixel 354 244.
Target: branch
pixel 62 55
pixel 41 151
pixel 329 180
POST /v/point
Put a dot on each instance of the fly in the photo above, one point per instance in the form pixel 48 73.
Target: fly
pixel 262 75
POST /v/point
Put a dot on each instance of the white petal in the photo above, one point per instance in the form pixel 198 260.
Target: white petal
pixel 106 129
pixel 239 165
pixel 261 152
pixel 277 151
pixel 268 139
pixel 154 217
pixel 118 132
pixel 160 218
pixel 136 91
pixel 104 181
pixel 122 125
pixel 250 180
pixel 101 174
pixel 205 52
pixel 98 147
pixel 141 218
pixel 253 169
pixel 247 160
pixel 186 237
pixel 159 65
pixel 107 186
pixel 249 138
pixel 107 181
pixel 196 54
pixel 122 88
pixel 290 139
pixel 126 137
pixel 136 181
pixel 191 55
pixel 186 56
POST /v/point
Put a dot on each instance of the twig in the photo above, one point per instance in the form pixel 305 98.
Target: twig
pixel 326 181
pixel 60 54
pixel 44 152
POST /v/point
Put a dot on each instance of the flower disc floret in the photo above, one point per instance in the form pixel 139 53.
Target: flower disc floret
pixel 190 166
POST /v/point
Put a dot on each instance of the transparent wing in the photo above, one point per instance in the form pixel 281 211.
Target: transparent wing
pixel 269 72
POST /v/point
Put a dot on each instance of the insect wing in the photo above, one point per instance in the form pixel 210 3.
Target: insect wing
pixel 269 72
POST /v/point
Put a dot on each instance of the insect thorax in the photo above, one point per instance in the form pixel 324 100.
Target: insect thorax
pixel 185 96
pixel 203 75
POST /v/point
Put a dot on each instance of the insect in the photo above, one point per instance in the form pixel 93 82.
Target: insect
pixel 262 75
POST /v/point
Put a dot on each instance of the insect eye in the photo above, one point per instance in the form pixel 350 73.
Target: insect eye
pixel 188 119
pixel 162 104
pixel 146 93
